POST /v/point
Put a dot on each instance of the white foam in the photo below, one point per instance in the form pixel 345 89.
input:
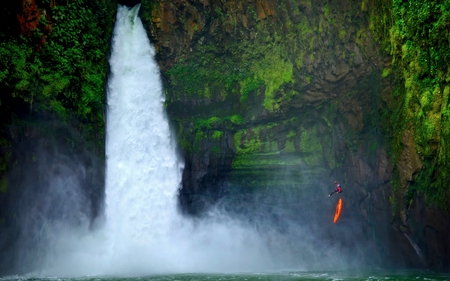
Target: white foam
pixel 144 232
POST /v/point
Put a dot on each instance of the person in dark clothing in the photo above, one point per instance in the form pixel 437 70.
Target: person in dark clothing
pixel 337 189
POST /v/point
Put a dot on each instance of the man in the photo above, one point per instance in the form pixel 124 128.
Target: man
pixel 337 188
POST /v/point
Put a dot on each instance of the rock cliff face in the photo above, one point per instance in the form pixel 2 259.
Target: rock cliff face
pixel 272 101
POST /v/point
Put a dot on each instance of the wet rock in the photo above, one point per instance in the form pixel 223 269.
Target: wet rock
pixel 337 71
pixel 409 162
pixel 335 89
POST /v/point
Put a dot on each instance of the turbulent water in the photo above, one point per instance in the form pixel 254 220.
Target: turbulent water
pixel 144 232
pixel 143 172
pixel 374 275
pixel 144 236
pixel 147 233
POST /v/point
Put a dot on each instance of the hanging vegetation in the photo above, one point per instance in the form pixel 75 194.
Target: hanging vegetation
pixel 416 34
pixel 55 62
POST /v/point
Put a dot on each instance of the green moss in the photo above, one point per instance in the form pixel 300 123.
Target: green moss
pixel 217 135
pixel 310 146
pixel 250 67
pixel 256 147
pixel 275 72
pixel 361 37
pixel 386 72
pixel 308 79
pixel 299 60
pixel 264 70
pixel 415 33
pixel 199 137
pixel 312 40
pixel 237 119
pixel 182 139
pixel 188 79
pixel 247 141
pixel 263 160
pixel 289 147
pixel 212 122
pixel 272 146
pixel 249 85
pixel 291 134
pixel 326 9
pixel 216 150
pixel 329 152
pixel 305 30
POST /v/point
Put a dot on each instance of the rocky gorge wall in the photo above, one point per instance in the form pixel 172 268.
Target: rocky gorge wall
pixel 274 100
pixel 271 101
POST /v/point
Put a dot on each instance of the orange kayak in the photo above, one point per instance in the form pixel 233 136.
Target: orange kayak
pixel 338 210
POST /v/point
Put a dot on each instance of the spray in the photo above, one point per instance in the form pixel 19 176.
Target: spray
pixel 144 233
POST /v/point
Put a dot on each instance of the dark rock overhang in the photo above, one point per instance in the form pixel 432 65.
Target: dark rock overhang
pixel 129 3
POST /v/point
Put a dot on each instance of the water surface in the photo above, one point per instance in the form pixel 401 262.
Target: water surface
pixel 368 275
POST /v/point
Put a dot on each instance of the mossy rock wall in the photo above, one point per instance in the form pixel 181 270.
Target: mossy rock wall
pixel 281 92
pixel 275 100
pixel 282 95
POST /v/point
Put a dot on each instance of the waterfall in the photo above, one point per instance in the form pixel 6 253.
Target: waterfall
pixel 144 233
pixel 143 172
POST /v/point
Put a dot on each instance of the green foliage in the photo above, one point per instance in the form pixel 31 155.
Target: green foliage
pixel 275 71
pixel 291 134
pixel 267 65
pixel 148 8
pixel 199 137
pixel 217 135
pixel 310 146
pixel 202 124
pixel 212 72
pixel 386 72
pixel 62 72
pixel 237 119
pixel 248 141
pixel 249 85
pixel 289 147
pixel 416 34
pixel 17 74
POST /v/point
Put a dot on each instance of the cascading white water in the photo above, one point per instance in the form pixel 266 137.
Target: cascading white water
pixel 144 232
pixel 143 172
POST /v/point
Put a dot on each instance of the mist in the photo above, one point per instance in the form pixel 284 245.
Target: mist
pixel 56 186
pixel 143 231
